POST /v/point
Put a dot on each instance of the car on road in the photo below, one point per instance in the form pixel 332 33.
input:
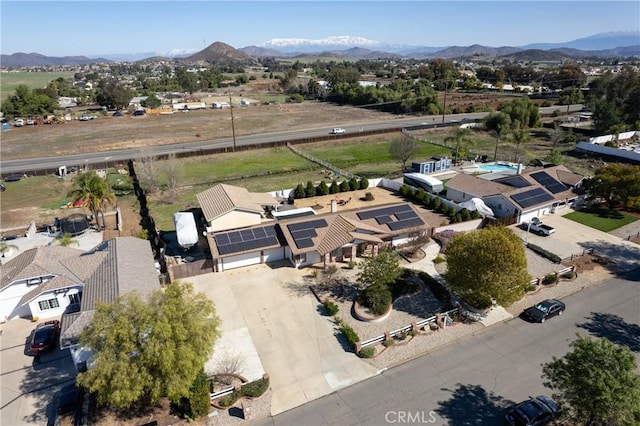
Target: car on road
pixel 45 337
pixel 337 131
pixel 537 411
pixel 545 309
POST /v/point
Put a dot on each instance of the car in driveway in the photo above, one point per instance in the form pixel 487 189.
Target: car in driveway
pixel 337 131
pixel 45 337
pixel 537 411
pixel 540 312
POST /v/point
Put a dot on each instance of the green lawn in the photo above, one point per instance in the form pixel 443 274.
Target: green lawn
pixel 602 219
pixel 33 80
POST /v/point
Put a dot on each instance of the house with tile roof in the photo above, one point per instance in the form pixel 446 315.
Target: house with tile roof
pixel 231 207
pixel 40 283
pixel 308 240
pixel 533 193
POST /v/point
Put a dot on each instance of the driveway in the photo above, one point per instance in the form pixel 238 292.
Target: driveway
pixel 573 238
pixel 29 385
pixel 271 312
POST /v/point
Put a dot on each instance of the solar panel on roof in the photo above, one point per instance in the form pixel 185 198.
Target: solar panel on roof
pixel 235 237
pixel 222 239
pixel 531 198
pixel 403 224
pixel 312 224
pixel 270 231
pixel 247 234
pixel 383 211
pixel 514 181
pixel 259 233
pixel 246 240
pixel 546 180
pixel 383 219
pixel 304 243
pixel 406 215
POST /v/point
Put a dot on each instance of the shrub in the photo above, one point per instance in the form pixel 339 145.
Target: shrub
pixel 344 186
pixel 322 188
pixel 197 403
pixel 569 275
pixel 550 279
pixel 367 352
pixel 349 333
pixel 401 287
pixel 369 197
pixel 310 191
pixel 334 188
pixel 388 343
pixel 353 184
pixel 299 192
pixel 402 335
pixel 377 298
pixel 331 307
pixel 413 332
pixel 530 288
pixel 438 290
pixel 256 388
pixel 438 260
pixel 364 183
pixel 436 203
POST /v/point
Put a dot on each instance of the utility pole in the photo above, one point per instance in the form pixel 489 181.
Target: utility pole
pixel 233 127
pixel 444 109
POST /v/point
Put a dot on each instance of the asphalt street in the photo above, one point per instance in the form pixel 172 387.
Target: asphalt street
pixel 472 381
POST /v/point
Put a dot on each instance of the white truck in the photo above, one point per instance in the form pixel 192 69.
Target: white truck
pixel 537 227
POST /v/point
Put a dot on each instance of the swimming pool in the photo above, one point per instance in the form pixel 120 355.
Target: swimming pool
pixel 495 167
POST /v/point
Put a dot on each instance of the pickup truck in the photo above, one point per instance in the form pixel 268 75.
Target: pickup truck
pixel 537 227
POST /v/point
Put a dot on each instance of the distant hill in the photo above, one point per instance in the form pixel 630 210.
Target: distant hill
pixel 37 60
pixel 261 52
pixel 219 52
pixel 474 50
pixel 601 41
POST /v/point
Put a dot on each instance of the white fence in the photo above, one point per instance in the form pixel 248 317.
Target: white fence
pixel 460 226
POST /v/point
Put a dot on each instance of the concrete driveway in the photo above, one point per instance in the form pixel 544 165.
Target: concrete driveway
pixel 29 386
pixel 573 238
pixel 271 312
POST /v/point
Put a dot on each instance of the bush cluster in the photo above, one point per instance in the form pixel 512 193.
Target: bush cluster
pixel 252 389
pixel 544 253
pixel 388 343
pixel 349 333
pixel 367 352
pixel 420 196
pixel 312 190
pixel 377 298
pixel 550 279
pixel 569 275
pixel 331 307
pixel 197 403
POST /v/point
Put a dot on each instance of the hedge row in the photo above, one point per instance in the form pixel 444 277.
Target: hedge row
pixel 420 196
pixel 311 190
pixel 438 289
pixel 349 333
pixel 544 253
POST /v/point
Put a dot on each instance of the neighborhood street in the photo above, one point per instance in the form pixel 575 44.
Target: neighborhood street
pixel 472 381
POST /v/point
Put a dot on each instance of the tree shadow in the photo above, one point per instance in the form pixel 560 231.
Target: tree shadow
pixel 618 258
pixel 473 405
pixel 614 328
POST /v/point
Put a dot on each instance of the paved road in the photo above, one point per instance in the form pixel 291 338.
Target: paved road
pixel 471 381
pixel 43 163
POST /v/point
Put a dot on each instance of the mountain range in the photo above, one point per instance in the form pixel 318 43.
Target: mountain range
pixel 602 45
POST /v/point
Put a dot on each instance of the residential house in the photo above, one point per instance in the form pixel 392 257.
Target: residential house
pixel 531 194
pixel 230 207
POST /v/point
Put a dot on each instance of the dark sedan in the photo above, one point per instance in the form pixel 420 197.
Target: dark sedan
pixel 45 337
pixel 536 411
pixel 545 309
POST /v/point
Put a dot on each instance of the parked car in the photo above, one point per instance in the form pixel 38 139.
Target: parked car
pixel 45 337
pixel 138 113
pixel 536 411
pixel 84 117
pixel 337 131
pixel 545 309
pixel 537 227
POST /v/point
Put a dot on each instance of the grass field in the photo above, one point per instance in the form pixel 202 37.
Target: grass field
pixel 601 218
pixel 34 80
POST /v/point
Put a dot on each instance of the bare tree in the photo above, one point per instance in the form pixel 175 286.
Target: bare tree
pixel 148 171
pixel 173 170
pixel 402 149
pixel 227 365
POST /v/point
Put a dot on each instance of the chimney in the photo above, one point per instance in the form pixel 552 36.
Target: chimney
pixel 334 206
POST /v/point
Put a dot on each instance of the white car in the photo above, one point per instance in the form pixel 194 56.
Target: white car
pixel 337 131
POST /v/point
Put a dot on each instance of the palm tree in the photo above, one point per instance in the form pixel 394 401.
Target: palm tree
pixel 498 123
pixel 459 137
pixel 6 248
pixel 65 240
pixel 93 189
pixel 520 136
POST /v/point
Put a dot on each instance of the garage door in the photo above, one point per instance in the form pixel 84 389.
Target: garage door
pixel 240 260
pixel 273 255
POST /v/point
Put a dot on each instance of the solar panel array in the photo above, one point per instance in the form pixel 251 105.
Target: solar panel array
pixel 545 179
pixel 303 232
pixel 514 181
pixel 532 197
pixel 246 240
pixel 396 217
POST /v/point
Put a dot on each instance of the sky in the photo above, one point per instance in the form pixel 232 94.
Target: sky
pixel 89 28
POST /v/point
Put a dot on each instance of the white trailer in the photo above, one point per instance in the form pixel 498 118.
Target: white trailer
pixel 186 229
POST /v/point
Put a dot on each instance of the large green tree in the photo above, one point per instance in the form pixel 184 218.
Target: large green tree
pixel 90 187
pixel 459 137
pixel 596 383
pixel 498 124
pixel 617 184
pixel 487 265
pixel 25 102
pixel 145 350
pixel 613 99
pixel 382 269
pixel 113 95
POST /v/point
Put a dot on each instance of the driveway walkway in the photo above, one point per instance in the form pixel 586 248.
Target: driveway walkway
pixel 275 315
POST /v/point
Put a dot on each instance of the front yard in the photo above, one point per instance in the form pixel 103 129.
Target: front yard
pixel 602 218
